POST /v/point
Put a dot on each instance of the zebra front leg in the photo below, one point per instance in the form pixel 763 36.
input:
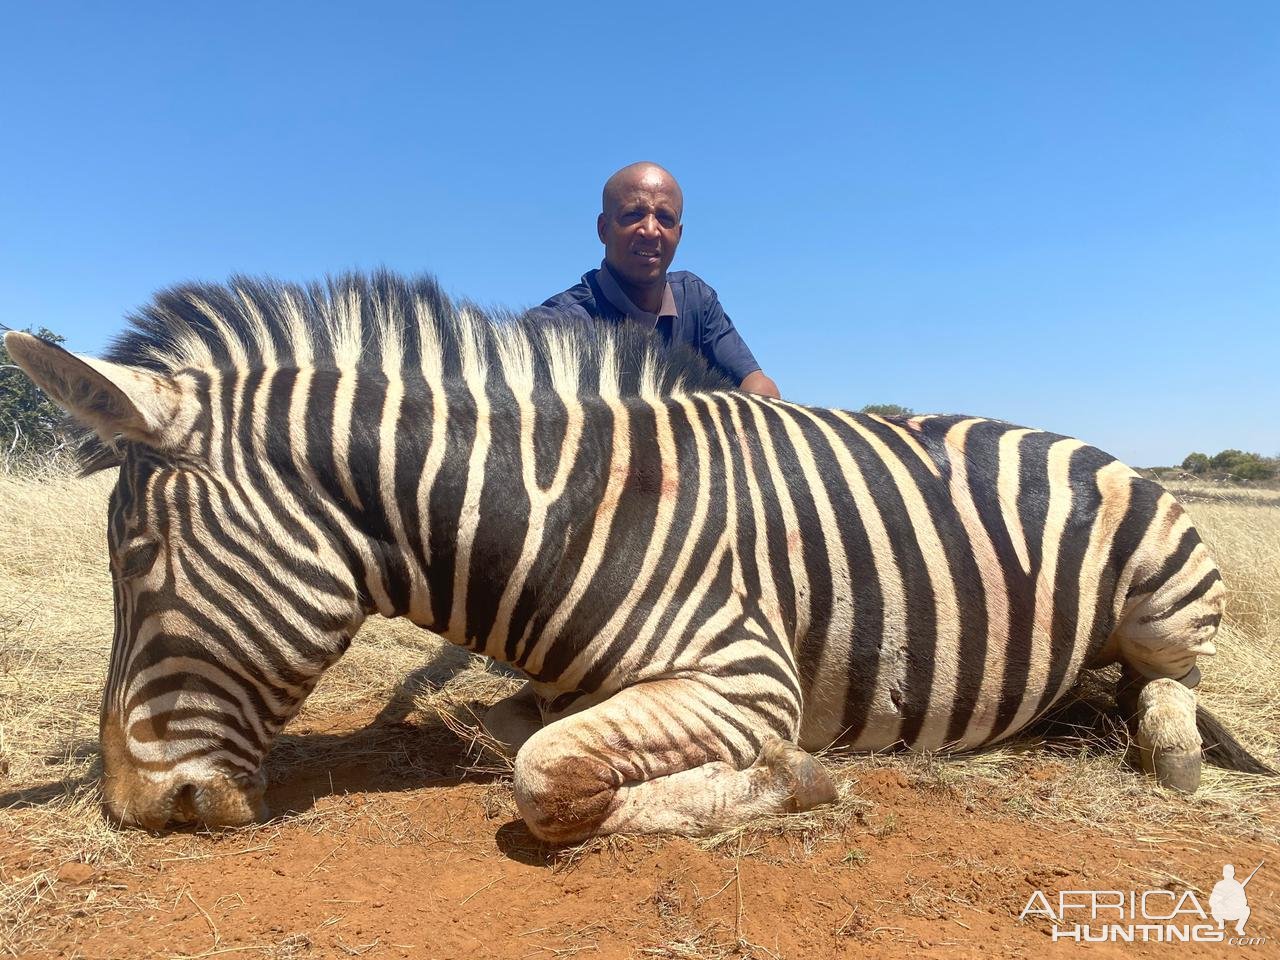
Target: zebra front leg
pixel 716 796
pixel 667 756
pixel 512 721
pixel 1162 717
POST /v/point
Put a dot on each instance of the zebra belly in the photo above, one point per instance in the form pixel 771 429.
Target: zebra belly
pixel 967 599
pixel 883 731
pixel 891 694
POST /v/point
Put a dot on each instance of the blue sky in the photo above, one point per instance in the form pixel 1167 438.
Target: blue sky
pixel 1065 215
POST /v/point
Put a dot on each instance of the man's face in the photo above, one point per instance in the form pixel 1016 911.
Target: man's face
pixel 640 229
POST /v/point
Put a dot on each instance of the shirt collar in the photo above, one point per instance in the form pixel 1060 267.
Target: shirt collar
pixel 611 289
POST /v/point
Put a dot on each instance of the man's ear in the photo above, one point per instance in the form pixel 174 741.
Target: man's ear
pixel 111 399
pixel 600 227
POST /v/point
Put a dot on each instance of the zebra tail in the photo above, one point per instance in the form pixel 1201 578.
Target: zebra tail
pixel 1223 750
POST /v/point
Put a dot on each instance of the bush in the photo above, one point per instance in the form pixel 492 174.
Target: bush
pixel 888 410
pixel 29 420
pixel 1240 464
pixel 1253 467
pixel 1196 463
pixel 1224 460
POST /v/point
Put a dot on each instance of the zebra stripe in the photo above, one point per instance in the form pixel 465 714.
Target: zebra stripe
pixel 603 516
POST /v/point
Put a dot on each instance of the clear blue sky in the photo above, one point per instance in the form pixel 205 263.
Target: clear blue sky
pixel 1066 215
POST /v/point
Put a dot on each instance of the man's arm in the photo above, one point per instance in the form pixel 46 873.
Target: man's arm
pixel 726 349
pixel 759 382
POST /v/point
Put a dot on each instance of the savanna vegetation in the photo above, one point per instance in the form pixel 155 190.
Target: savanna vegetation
pixel 30 423
pixel 1232 465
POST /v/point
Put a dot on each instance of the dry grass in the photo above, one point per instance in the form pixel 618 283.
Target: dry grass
pixel 55 633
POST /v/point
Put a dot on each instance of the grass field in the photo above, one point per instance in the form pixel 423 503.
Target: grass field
pixel 392 721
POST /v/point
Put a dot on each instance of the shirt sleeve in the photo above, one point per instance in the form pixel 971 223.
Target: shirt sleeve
pixel 543 312
pixel 722 343
pixel 556 309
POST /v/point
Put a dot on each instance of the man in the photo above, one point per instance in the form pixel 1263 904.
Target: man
pixel 640 227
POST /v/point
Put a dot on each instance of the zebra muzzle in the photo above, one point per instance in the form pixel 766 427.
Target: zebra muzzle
pixel 219 801
pixel 154 800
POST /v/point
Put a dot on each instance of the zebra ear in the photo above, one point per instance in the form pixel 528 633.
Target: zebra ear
pixel 110 398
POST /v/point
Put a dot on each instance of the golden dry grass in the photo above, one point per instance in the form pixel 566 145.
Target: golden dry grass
pixel 55 634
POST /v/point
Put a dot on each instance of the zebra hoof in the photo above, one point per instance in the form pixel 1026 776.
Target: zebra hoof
pixel 807 783
pixel 1177 769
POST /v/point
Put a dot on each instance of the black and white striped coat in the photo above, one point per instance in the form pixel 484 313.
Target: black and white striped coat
pixel 700 584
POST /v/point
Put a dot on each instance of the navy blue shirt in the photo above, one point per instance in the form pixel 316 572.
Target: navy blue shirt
pixel 690 313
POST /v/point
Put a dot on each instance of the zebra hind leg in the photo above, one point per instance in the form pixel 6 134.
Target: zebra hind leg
pixel 667 756
pixel 1162 719
pixel 1170 620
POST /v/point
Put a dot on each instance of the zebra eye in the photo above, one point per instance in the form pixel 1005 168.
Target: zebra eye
pixel 136 556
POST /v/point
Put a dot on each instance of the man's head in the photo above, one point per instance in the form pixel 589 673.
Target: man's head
pixel 639 223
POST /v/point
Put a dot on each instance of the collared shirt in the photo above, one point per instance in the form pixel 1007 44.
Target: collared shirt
pixel 692 316
pixel 618 297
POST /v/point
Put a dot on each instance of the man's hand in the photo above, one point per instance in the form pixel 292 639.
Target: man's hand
pixel 758 382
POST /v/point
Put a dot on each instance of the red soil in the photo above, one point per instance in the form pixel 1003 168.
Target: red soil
pixel 381 858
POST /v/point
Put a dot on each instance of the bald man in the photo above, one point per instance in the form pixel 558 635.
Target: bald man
pixel 640 227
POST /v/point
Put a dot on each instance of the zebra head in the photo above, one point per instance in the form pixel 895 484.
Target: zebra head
pixel 217 640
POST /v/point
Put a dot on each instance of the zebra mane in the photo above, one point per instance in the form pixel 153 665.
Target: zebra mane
pixel 389 323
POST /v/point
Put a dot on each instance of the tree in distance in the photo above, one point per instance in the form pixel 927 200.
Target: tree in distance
pixel 29 420
pixel 888 410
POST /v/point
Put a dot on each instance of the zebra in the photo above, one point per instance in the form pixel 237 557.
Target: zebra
pixel 703 587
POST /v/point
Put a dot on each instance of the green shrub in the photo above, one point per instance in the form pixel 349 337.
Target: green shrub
pixel 29 420
pixel 1224 460
pixel 1241 464
pixel 1196 463
pixel 888 410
